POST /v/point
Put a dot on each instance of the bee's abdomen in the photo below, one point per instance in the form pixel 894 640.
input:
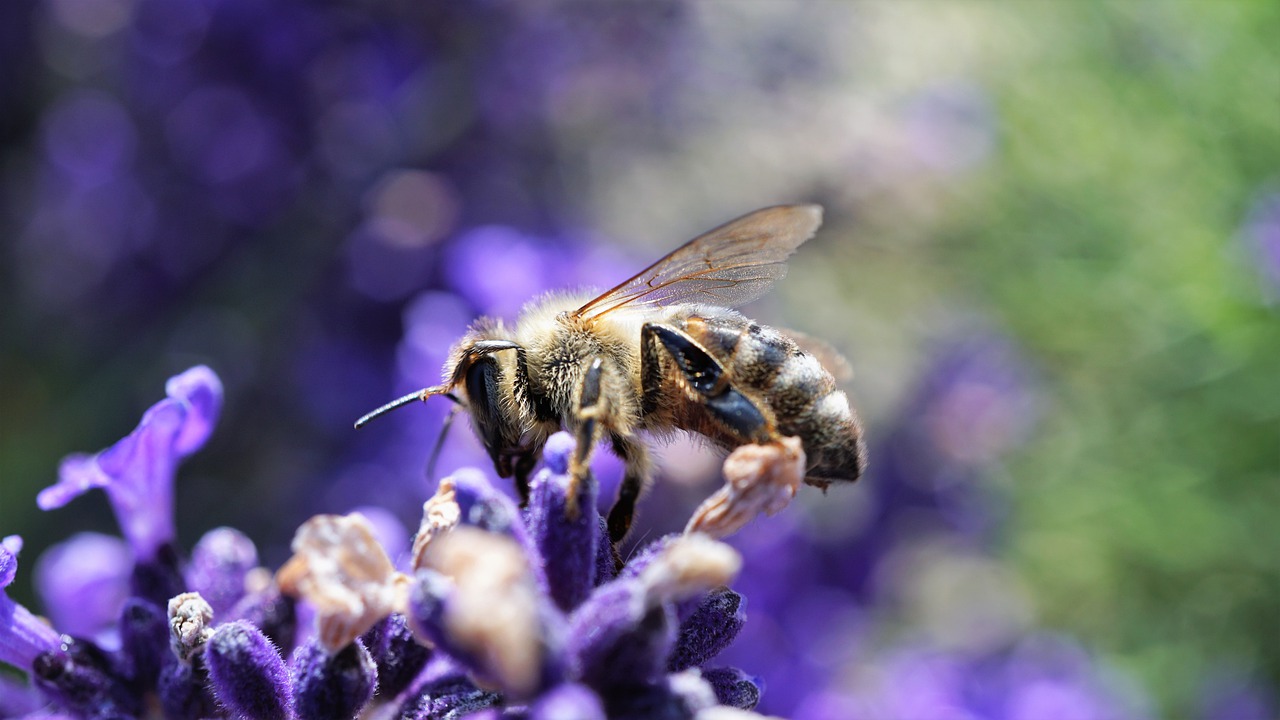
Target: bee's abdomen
pixel 803 396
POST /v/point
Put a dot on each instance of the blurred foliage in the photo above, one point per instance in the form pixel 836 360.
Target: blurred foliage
pixel 1107 235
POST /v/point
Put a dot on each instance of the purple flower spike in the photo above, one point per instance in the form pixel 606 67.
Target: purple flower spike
pixel 82 679
pixel 332 686
pixel 482 505
pixel 449 697
pixel 646 555
pixel 648 702
pixel 23 636
pixel 246 672
pixel 398 655
pixel 272 612
pixel 144 642
pixel 607 559
pixel 708 630
pixel 183 692
pixel 734 687
pixel 619 639
pixel 568 547
pixel 83 582
pixel 220 562
pixel 137 472
pixel 568 702
pixel 475 599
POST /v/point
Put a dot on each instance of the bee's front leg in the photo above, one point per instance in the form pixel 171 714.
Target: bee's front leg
pixel 590 416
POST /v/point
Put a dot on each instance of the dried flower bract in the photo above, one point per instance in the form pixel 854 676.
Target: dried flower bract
pixel 340 568
pixel 757 478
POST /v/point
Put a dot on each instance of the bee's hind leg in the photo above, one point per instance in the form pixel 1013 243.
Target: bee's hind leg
pixel 737 412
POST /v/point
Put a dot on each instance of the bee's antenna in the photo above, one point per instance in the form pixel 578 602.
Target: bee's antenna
pixel 444 431
pixel 422 395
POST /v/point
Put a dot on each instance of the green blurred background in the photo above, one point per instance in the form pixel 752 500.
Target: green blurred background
pixel 1099 182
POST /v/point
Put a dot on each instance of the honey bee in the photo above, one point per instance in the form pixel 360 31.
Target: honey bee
pixel 660 352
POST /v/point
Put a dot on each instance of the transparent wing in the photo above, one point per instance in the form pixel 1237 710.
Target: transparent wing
pixel 728 266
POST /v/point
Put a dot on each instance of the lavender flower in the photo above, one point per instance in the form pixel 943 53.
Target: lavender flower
pixel 332 685
pixel 509 613
pixel 246 671
pixel 138 472
pixel 585 640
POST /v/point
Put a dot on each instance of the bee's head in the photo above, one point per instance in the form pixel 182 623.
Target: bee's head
pixel 486 371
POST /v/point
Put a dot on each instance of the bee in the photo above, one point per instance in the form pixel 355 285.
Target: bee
pixel 660 352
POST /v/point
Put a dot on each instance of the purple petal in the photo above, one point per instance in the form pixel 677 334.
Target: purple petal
pixel 23 636
pixel 332 686
pixel 9 549
pixel 18 699
pixel 77 474
pixel 246 672
pixel 83 582
pixel 200 390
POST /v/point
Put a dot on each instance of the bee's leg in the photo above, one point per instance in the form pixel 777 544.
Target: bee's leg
pixel 707 377
pixel 634 479
pixel 590 416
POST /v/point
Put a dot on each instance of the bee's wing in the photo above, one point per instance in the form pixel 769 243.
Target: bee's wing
pixel 728 266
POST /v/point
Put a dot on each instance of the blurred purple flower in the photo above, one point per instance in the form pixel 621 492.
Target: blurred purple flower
pixel 951 127
pixel 499 269
pixel 1234 697
pixel 1041 678
pixel 1262 233
pixel 83 583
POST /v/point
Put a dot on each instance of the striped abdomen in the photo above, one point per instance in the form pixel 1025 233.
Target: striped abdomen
pixel 801 393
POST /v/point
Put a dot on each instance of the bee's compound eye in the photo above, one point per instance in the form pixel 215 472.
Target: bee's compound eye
pixel 482 380
pixel 482 399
